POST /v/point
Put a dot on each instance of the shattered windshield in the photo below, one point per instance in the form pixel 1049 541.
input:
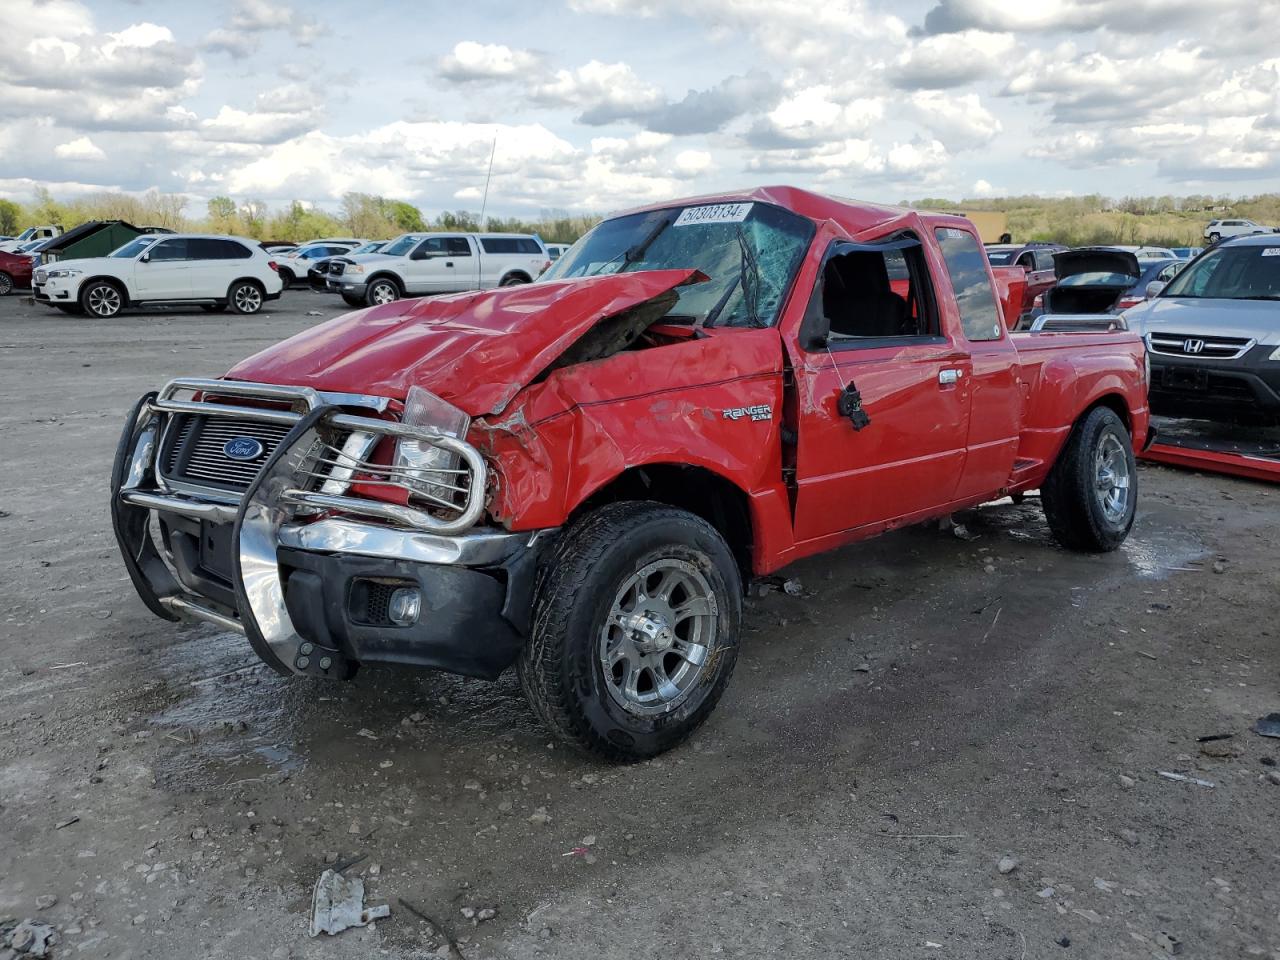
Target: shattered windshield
pixel 751 252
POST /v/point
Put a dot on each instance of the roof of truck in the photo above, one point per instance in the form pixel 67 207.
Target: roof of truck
pixel 854 216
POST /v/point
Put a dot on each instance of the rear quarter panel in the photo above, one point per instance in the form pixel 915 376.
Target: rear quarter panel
pixel 1064 374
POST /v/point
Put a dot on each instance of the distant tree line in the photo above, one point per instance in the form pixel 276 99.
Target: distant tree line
pixel 358 215
pixel 1089 219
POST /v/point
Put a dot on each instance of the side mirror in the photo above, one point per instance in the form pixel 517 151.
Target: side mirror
pixel 1153 288
pixel 145 258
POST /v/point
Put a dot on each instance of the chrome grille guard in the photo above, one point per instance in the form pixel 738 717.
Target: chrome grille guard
pixel 334 468
pixel 271 507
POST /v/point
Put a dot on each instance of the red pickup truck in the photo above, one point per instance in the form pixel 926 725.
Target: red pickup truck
pixel 580 476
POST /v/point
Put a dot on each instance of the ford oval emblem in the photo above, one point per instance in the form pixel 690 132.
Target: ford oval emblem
pixel 243 448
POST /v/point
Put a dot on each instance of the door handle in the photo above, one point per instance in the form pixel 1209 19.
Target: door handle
pixel 448 263
pixel 947 377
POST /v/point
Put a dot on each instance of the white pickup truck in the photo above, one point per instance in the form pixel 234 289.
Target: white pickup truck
pixel 28 235
pixel 418 264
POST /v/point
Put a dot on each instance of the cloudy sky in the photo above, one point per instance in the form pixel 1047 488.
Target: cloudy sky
pixel 600 104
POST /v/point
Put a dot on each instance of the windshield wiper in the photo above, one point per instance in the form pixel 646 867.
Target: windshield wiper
pixel 635 252
pixel 748 279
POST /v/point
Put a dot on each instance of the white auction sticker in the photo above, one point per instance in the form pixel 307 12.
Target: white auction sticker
pixel 715 213
pixel 1271 252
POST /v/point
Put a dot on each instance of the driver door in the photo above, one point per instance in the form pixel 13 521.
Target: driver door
pixel 910 381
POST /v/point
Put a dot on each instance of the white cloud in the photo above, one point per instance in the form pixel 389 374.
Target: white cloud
pixel 470 60
pixel 604 92
pixel 961 122
pixel 81 148
pixel 951 60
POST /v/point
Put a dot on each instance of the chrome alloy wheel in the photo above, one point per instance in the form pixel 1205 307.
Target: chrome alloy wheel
pixel 104 300
pixel 1111 478
pixel 657 637
pixel 248 298
pixel 384 292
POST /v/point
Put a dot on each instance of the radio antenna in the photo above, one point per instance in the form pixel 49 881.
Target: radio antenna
pixel 489 176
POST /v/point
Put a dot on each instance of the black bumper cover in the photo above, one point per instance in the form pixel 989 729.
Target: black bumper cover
pixel 1228 389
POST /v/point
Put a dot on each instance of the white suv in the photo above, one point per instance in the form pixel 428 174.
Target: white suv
pixel 421 263
pixel 1222 229
pixel 214 272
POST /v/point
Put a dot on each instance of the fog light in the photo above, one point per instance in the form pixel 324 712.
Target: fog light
pixel 404 606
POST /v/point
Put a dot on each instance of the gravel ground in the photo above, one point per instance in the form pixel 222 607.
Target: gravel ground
pixel 928 708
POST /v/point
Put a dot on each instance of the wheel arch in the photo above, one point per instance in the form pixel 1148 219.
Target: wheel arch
pixel 385 274
pixel 1113 401
pixel 107 278
pixel 698 489
pixel 522 275
pixel 246 279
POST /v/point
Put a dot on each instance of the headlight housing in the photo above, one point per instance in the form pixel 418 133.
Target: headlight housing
pixel 64 272
pixel 354 268
pixel 431 470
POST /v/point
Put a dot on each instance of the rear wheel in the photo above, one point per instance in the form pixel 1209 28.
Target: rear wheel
pixel 6 284
pixel 286 277
pixel 1091 495
pixel 635 630
pixel 1215 237
pixel 245 296
pixel 514 281
pixel 382 290
pixel 101 299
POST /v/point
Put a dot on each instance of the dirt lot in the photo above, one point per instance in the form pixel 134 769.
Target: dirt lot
pixel 928 707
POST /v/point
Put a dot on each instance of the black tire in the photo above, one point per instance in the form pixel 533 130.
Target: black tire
pixel 1215 237
pixel 561 667
pixel 102 299
pixel 382 290
pixel 246 297
pixel 286 277
pixel 1075 503
pixel 514 281
pixel 352 301
pixel 6 284
pixel 213 307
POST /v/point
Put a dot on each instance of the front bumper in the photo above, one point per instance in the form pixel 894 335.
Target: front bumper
pixel 350 288
pixel 301 578
pixel 51 291
pixel 1244 388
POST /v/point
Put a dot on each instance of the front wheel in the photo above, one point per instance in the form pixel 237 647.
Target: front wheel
pixel 635 630
pixel 382 291
pixel 101 299
pixel 245 297
pixel 1215 237
pixel 1091 495
pixel 286 278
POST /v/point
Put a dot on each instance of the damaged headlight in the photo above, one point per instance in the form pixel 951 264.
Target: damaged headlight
pixel 423 467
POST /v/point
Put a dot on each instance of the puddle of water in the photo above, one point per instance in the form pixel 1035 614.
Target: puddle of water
pixel 1156 557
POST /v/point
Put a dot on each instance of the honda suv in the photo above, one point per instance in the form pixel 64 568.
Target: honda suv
pixel 214 272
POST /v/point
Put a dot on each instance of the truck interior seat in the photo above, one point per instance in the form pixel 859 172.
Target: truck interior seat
pixel 858 300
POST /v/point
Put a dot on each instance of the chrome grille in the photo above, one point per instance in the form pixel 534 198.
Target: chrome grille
pixel 1198 345
pixel 196 453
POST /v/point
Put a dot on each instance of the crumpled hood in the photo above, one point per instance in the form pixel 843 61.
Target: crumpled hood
pixel 1246 319
pixel 476 350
